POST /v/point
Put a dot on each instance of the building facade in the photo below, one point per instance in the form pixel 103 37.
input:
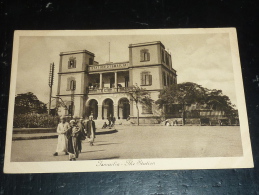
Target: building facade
pixel 86 87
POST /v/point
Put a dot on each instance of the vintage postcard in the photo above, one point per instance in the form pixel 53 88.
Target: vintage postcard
pixel 126 100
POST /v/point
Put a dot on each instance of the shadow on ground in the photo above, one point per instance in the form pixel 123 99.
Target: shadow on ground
pixel 107 132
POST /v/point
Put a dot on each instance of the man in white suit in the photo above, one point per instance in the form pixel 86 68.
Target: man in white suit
pixel 62 128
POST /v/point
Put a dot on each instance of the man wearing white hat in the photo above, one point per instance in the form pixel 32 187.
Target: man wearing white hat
pixel 62 128
pixel 90 130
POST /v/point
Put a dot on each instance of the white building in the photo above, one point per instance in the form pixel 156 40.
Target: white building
pixel 86 87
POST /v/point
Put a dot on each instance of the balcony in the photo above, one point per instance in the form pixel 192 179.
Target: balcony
pixel 108 90
pixel 109 66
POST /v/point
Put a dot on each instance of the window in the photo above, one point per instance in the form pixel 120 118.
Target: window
pixel 168 80
pixel 91 61
pixel 167 59
pixel 164 79
pixel 72 62
pixel 146 109
pixel 71 84
pixel 146 78
pixel 126 81
pixel 163 56
pixel 144 55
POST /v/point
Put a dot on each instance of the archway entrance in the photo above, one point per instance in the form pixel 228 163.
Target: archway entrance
pixel 107 108
pixel 123 108
pixel 93 109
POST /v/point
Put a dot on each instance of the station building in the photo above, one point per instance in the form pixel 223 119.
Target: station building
pixel 86 87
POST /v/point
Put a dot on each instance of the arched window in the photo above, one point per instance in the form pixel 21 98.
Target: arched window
pixel 144 55
pixel 72 62
pixel 146 78
pixel 71 84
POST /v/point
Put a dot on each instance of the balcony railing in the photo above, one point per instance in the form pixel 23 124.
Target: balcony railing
pixel 109 66
pixel 108 90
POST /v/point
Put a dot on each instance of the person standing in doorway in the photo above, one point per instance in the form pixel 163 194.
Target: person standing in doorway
pixel 62 129
pixel 110 120
pixel 113 121
pixel 90 130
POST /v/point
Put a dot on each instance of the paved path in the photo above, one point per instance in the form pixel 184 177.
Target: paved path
pixel 133 142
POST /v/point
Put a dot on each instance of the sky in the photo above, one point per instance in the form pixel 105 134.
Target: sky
pixel 204 59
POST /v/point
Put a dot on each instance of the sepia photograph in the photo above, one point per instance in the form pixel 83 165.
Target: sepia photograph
pixel 124 100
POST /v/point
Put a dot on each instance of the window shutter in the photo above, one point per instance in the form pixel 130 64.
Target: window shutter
pixel 68 84
pixel 148 56
pixel 74 64
pixel 141 56
pixel 150 79
pixel 142 75
pixel 74 87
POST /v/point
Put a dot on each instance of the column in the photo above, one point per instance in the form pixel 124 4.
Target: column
pixel 115 81
pixel 131 108
pixel 101 81
pixel 115 107
pixel 100 112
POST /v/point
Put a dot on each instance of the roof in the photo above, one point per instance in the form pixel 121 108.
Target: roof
pixel 75 52
pixel 146 43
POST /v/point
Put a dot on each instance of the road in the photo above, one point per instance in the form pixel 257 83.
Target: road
pixel 134 142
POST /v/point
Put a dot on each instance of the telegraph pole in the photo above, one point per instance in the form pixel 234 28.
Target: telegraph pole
pixel 72 99
pixel 51 79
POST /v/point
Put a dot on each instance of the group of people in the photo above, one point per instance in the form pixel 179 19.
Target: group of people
pixel 70 136
pixel 111 122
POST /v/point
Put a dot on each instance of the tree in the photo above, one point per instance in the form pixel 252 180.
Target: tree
pixel 216 100
pixel 183 94
pixel 189 93
pixel 139 96
pixel 28 103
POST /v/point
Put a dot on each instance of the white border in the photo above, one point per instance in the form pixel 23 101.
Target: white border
pixel 246 161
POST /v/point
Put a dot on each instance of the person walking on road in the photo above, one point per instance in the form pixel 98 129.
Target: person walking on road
pixel 81 136
pixel 73 140
pixel 90 130
pixel 62 129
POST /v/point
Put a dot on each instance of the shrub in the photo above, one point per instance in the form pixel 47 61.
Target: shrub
pixel 35 121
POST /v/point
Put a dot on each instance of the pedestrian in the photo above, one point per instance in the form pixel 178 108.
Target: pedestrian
pixel 109 120
pixel 104 125
pixel 62 129
pixel 73 141
pixel 113 120
pixel 81 135
pixel 90 130
pixel 167 123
